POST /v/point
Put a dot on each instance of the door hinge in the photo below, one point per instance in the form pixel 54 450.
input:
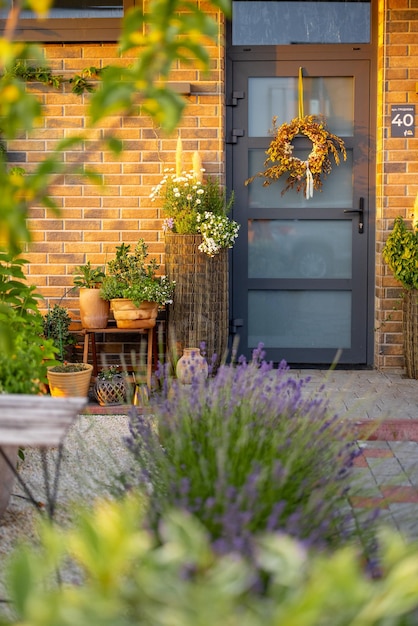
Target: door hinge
pixel 235 324
pixel 236 95
pixel 235 133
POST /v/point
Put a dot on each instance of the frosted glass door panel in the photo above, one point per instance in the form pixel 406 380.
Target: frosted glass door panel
pixel 272 96
pixel 337 190
pixel 299 248
pixel 299 319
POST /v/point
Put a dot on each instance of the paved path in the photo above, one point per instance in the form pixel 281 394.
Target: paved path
pixel 367 394
pixel 386 475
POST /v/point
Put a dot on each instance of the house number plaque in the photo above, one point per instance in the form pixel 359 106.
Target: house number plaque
pixel 402 120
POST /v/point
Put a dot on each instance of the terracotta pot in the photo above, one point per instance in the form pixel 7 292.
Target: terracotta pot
pixel 7 478
pixel 70 384
pixel 128 315
pixel 191 366
pixel 94 311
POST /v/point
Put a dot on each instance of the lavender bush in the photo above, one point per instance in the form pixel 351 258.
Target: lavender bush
pixel 247 451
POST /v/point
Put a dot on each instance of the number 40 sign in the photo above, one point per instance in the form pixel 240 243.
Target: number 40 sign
pixel 402 120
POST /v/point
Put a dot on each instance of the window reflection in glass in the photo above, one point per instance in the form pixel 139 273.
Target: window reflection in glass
pixel 332 97
pixel 337 191
pixel 287 22
pixel 299 248
pixel 77 9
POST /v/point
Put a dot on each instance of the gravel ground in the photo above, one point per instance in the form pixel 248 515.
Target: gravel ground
pixel 94 454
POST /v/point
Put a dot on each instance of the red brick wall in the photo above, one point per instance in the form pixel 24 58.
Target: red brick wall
pixel 397 165
pixel 92 220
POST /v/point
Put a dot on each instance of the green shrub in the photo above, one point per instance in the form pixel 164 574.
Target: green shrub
pixel 24 352
pixel 126 579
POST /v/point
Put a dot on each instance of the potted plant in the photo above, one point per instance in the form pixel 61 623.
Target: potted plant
pixel 94 311
pixel 134 290
pixel 198 234
pixel 401 254
pixel 111 386
pixel 64 378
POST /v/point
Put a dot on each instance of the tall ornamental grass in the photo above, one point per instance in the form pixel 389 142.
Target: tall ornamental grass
pixel 248 451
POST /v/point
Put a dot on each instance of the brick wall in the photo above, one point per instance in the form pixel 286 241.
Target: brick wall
pixel 397 164
pixel 92 220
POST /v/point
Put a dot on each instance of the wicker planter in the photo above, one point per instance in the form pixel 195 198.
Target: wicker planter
pixel 410 332
pixel 94 311
pixel 113 391
pixel 127 315
pixel 70 384
pixel 199 312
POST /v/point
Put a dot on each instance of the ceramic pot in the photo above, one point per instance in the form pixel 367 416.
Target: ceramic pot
pixel 94 311
pixel 191 366
pixel 128 315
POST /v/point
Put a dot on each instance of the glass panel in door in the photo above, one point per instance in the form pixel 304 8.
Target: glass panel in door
pixel 303 292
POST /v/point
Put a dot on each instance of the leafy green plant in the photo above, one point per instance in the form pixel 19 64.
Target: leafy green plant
pixel 108 373
pixel 130 275
pixel 127 579
pixel 88 276
pixel 401 253
pixel 24 353
pixel 56 326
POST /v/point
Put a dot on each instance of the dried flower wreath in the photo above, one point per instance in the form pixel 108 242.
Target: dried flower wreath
pixel 306 175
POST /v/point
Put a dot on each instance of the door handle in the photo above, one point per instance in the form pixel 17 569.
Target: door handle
pixel 360 212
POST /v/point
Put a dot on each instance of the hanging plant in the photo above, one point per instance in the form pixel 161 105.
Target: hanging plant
pixel 304 175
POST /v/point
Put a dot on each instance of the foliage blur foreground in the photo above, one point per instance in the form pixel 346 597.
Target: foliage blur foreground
pixel 247 451
pixel 127 579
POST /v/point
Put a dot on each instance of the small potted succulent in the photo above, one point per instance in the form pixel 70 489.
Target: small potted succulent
pixel 111 386
pixel 134 290
pixel 64 378
pixel 94 311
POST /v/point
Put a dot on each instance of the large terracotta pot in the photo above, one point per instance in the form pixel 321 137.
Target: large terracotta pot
pixel 70 384
pixel 128 315
pixel 94 311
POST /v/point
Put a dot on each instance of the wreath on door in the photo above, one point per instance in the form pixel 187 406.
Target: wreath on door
pixel 307 175
pixel 304 175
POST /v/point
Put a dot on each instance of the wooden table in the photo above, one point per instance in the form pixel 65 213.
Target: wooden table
pixel 90 337
pixel 40 421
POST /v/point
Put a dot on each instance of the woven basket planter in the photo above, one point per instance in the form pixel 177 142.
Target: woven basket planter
pixel 410 332
pixel 199 312
pixel 113 391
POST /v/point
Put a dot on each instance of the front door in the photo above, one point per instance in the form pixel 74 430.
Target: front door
pixel 300 266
